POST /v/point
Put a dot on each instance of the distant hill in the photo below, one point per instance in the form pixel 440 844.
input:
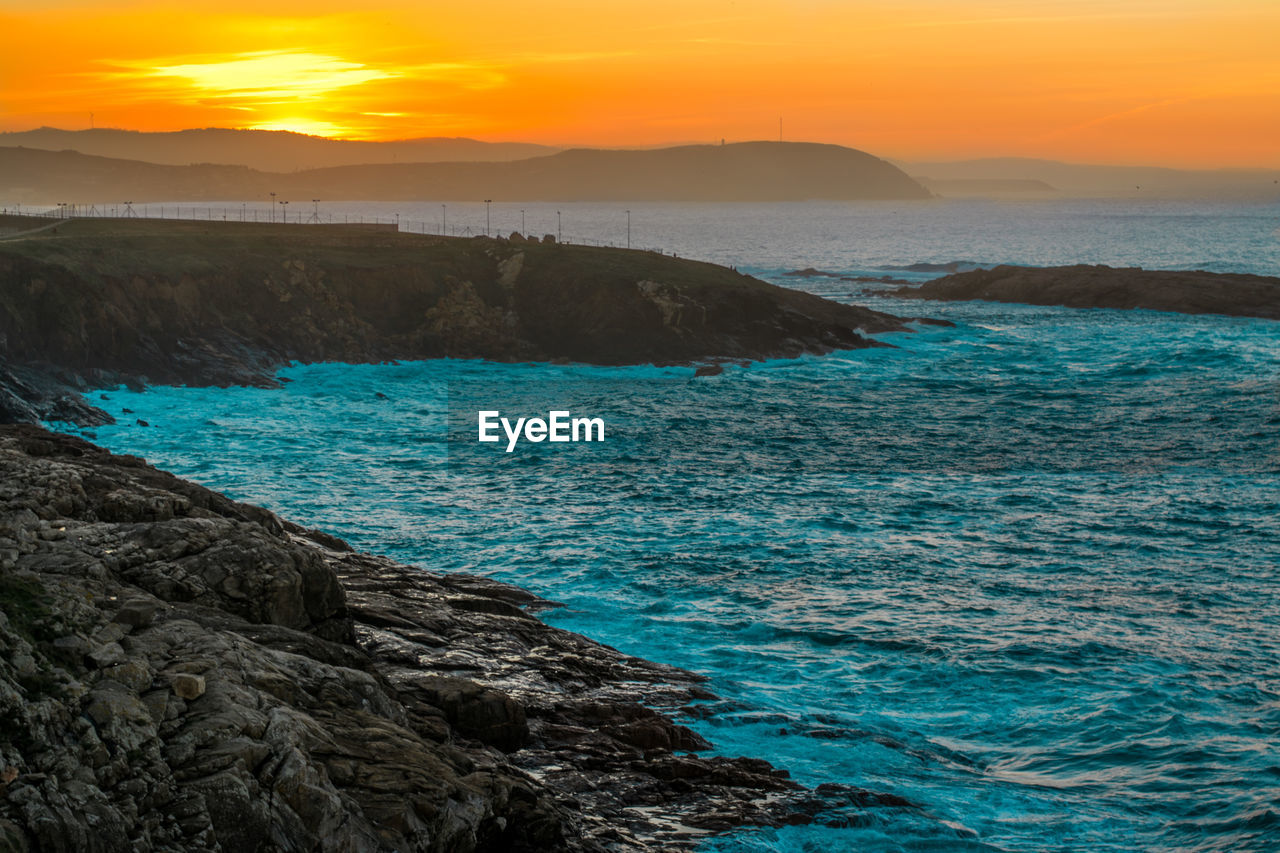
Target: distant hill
pixel 988 188
pixel 748 171
pixel 1081 180
pixel 265 150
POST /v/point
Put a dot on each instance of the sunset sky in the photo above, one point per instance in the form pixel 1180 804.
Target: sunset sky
pixel 1170 82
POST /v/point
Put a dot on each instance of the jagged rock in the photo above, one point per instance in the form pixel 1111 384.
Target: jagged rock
pixel 251 683
pixel 137 612
pixel 489 716
pixel 187 686
pixel 134 674
pixel 106 654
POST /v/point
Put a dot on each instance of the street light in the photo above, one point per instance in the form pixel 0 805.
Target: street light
pixel 558 237
pixel 284 211
pixel 487 202
pixel 315 210
pixel 273 207
pixel 628 229
pixel 444 219
pixel 522 234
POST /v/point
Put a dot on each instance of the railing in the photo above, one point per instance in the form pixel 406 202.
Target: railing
pixel 213 213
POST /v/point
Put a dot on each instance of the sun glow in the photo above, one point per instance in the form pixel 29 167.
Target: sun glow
pixel 265 77
pixel 306 126
pixel 1174 82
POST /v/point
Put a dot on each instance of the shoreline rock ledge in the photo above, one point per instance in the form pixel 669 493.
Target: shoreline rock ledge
pixel 179 671
pixel 97 303
pixel 1100 286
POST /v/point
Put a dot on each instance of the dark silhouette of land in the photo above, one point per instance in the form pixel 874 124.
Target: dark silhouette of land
pixel 109 301
pixel 748 171
pixel 265 150
pixel 1084 286
pixel 988 187
pixel 285 152
pixel 1011 176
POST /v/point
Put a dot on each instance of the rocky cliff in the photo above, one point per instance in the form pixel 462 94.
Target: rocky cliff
pixel 182 672
pixel 1083 286
pixel 94 302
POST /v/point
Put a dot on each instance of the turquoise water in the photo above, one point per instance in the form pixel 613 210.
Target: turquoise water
pixel 1023 572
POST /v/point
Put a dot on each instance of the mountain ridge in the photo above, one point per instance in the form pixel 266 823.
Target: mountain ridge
pixel 745 171
pixel 1084 180
pixel 264 150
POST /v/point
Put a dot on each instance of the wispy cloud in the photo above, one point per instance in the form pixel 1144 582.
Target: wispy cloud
pixel 261 76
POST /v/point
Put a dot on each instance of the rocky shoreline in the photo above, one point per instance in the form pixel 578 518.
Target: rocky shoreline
pixel 95 303
pixel 181 671
pixel 1098 286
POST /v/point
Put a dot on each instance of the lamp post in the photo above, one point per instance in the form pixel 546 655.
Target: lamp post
pixel 273 207
pixel 628 229
pixel 315 210
pixel 284 211
pixel 487 202
pixel 444 219
pixel 522 234
pixel 558 237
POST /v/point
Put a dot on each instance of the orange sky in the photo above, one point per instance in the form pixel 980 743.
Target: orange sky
pixel 1172 82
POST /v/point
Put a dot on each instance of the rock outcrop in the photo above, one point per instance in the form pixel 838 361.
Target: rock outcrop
pixel 104 302
pixel 179 671
pixel 1084 286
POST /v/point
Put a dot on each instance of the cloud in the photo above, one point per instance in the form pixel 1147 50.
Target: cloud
pixel 261 76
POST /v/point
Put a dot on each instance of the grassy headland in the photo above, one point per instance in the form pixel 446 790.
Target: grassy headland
pixel 227 303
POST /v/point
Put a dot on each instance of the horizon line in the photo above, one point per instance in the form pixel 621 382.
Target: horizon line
pixel 939 159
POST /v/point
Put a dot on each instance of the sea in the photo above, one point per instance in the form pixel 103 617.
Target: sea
pixel 1023 572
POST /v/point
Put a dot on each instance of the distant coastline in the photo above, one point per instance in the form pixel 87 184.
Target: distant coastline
pixel 748 171
pixel 223 163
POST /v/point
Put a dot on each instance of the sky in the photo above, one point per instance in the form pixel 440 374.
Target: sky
pixel 1189 83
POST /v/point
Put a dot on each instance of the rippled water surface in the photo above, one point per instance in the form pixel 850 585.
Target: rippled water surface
pixel 1023 572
